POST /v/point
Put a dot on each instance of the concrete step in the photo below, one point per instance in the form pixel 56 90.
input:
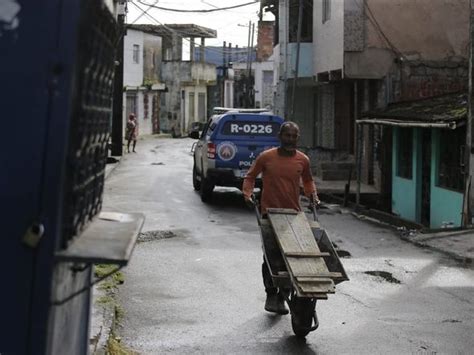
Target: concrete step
pixel 338 174
pixel 336 165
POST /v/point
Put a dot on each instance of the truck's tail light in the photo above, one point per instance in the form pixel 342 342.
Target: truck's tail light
pixel 211 150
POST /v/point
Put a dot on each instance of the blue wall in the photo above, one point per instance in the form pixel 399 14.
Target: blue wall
pixel 405 201
pixel 214 54
pixel 305 67
pixel 446 205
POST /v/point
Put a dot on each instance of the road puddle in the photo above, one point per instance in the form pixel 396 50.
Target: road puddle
pixel 386 276
pixel 156 235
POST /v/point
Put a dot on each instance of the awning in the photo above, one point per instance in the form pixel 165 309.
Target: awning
pixel 399 123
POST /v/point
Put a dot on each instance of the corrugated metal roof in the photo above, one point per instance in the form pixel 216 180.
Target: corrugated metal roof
pixel 445 108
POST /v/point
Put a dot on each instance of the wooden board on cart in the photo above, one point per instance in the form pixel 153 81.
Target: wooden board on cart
pixel 303 258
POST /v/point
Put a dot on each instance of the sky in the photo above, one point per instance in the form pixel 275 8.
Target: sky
pixel 226 23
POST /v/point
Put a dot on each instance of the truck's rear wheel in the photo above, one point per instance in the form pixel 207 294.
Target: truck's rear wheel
pixel 206 189
pixel 196 182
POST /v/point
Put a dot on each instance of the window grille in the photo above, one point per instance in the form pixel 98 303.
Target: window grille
pixel 451 152
pixel 90 119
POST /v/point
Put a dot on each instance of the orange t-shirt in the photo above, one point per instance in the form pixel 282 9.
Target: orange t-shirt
pixel 281 176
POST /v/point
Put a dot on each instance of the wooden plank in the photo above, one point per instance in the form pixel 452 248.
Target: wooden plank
pixel 283 233
pixel 316 288
pixel 314 279
pixel 282 211
pixel 302 254
pixel 328 275
pixel 294 234
pixel 302 232
pixel 307 266
pixel 319 296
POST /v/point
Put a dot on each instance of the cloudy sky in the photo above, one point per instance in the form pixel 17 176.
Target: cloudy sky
pixel 225 22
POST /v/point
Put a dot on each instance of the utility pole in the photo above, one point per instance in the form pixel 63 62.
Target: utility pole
pixel 246 84
pixel 249 78
pixel 281 97
pixel 248 45
pixel 298 45
pixel 117 108
pixel 468 205
pixel 224 73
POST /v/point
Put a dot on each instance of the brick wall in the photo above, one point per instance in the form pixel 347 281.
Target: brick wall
pixel 422 80
pixel 265 40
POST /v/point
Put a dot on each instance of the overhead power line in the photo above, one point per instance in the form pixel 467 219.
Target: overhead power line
pixel 172 31
pixel 199 10
pixel 144 12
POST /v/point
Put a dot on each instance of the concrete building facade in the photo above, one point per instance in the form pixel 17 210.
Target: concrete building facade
pixel 166 92
pixel 364 55
pixel 141 77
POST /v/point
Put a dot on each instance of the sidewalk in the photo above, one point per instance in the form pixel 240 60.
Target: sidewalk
pixel 457 244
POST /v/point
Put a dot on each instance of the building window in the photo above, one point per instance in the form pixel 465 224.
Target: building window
pixel 326 10
pixel 405 153
pixel 131 105
pixel 451 152
pixel 202 107
pixel 167 54
pixel 191 104
pixel 306 23
pixel 136 53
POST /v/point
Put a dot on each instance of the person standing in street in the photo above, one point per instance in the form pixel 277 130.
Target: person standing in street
pixel 132 132
pixel 283 169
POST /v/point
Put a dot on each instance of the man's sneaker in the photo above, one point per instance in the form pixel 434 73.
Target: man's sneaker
pixel 276 304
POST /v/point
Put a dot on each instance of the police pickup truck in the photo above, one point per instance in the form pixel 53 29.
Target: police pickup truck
pixel 228 145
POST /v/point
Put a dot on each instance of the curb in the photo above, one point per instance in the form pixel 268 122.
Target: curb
pixel 102 316
pixel 101 323
pixel 407 236
pixel 464 260
pixel 110 167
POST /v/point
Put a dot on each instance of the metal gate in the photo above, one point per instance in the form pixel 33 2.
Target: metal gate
pixel 60 104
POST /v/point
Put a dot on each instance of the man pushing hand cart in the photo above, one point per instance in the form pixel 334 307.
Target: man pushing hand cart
pixel 300 264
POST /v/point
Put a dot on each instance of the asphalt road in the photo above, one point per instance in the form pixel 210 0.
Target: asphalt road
pixel 194 283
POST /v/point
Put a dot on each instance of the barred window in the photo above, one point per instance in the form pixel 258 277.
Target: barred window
pixel 136 53
pixel 451 151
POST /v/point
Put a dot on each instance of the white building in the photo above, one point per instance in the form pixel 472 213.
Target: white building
pixel 142 87
pixel 263 81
